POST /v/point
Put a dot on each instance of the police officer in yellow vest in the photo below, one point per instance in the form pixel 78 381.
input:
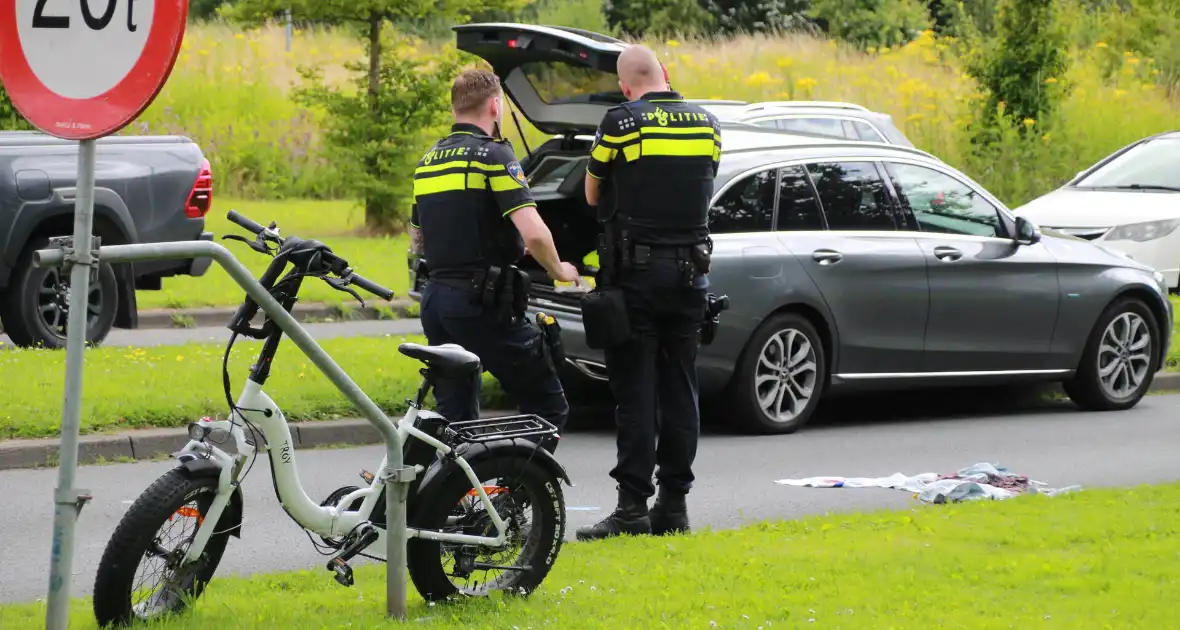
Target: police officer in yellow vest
pixel 472 206
pixel 651 175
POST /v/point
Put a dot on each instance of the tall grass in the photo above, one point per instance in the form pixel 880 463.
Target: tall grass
pixel 230 92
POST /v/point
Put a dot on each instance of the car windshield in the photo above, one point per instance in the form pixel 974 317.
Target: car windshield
pixel 558 82
pixel 1152 165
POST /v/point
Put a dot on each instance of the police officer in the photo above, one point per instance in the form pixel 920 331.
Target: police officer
pixel 651 175
pixel 472 206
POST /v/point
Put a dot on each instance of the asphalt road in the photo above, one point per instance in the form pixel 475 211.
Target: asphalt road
pixel 146 337
pixel 909 433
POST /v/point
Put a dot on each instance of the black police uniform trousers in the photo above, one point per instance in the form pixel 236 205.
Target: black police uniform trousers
pixel 654 380
pixel 514 352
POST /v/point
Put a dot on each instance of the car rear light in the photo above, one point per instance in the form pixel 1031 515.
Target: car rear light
pixel 200 200
pixel 512 43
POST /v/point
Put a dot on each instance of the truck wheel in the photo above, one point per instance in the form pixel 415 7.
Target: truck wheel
pixel 36 309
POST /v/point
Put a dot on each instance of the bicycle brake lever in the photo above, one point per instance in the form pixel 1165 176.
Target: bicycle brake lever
pixel 341 284
pixel 255 245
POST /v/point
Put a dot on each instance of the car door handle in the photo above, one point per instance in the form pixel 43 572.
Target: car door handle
pixel 826 256
pixel 947 254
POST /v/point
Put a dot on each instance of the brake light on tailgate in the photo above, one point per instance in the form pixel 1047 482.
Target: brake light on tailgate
pixel 200 200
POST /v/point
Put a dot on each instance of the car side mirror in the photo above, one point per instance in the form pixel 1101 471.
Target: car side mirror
pixel 1027 233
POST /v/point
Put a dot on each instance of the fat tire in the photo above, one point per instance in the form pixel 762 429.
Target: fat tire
pixel 22 322
pixel 1085 389
pixel 125 550
pixel 741 392
pixel 424 557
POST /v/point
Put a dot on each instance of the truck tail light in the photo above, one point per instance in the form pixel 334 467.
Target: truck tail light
pixel 200 200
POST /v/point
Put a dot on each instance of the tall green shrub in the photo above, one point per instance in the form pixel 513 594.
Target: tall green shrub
pixel 10 119
pixel 1021 70
pixel 872 23
pixel 658 17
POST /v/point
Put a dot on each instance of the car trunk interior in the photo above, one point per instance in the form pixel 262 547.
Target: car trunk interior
pixel 556 172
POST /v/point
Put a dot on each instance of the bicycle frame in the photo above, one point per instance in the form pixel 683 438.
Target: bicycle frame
pixel 275 428
pixel 326 521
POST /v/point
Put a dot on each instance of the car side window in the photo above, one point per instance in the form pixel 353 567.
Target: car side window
pixel 748 206
pixel 941 203
pixel 866 132
pixel 821 126
pixel 798 208
pixel 853 196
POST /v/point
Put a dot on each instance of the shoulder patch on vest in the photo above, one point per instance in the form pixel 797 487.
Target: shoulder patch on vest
pixel 517 173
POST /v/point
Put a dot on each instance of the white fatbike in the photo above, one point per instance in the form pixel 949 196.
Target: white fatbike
pixel 483 497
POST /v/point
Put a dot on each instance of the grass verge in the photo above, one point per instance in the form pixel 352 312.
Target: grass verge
pixel 1096 559
pixel 133 388
pixel 337 223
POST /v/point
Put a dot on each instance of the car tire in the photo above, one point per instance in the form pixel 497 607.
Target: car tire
pixel 762 382
pixel 30 312
pixel 1110 377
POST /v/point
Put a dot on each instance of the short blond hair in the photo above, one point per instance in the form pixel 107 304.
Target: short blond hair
pixel 473 89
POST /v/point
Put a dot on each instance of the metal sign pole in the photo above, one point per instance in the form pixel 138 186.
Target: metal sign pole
pixel 67 499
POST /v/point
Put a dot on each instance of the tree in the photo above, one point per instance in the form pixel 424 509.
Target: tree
pixel 371 16
pixel 1023 68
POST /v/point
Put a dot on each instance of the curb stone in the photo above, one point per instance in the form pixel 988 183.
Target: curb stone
pixel 220 316
pixel 151 443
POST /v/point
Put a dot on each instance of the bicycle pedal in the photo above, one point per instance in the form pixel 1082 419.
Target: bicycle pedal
pixel 343 572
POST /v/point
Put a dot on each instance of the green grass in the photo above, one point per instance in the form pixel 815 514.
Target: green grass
pixel 1096 559
pixel 336 223
pixel 129 388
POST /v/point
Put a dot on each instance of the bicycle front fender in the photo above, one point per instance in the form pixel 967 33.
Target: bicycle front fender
pixel 231 519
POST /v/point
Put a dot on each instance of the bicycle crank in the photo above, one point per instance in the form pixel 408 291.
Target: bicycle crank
pixel 366 535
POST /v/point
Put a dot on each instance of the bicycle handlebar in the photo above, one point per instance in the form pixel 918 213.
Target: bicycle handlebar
pixel 244 222
pixel 350 276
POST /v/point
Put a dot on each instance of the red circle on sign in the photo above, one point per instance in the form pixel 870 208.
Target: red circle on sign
pixel 107 113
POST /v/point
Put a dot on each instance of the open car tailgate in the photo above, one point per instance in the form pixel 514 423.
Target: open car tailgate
pixel 562 79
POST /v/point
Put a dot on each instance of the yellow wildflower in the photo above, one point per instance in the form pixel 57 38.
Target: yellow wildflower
pixel 785 62
pixel 758 79
pixel 1100 45
pixel 672 43
pixel 1029 122
pixel 1051 80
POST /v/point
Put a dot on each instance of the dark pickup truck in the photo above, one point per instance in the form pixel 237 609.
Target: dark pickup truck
pixel 147 189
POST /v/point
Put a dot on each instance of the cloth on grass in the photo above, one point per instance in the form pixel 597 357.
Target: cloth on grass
pixel 981 481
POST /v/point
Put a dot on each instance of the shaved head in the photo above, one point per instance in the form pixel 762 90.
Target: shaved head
pixel 640 71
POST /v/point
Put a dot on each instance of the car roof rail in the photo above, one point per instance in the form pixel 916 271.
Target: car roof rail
pixel 803 140
pixel 753 107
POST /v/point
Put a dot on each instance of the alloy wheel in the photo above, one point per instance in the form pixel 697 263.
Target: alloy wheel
pixel 1124 355
pixel 785 377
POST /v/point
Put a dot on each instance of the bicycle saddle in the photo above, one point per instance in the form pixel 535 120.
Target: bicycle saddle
pixel 449 359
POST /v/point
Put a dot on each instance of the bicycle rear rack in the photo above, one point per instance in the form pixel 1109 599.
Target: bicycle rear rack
pixel 490 429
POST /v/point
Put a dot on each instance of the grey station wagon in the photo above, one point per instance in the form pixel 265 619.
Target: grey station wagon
pixel 848 264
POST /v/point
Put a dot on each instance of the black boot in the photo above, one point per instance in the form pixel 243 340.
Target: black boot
pixel 629 517
pixel 669 515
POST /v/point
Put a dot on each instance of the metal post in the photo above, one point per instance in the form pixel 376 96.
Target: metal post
pixel 67 499
pixel 290 30
pixel 395 532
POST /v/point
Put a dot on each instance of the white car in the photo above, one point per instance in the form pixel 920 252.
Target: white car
pixel 833 119
pixel 1128 202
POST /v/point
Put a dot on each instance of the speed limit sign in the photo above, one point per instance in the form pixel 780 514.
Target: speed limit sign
pixel 84 69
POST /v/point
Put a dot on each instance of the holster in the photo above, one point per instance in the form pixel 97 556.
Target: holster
pixel 552 333
pixel 714 306
pixel 502 290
